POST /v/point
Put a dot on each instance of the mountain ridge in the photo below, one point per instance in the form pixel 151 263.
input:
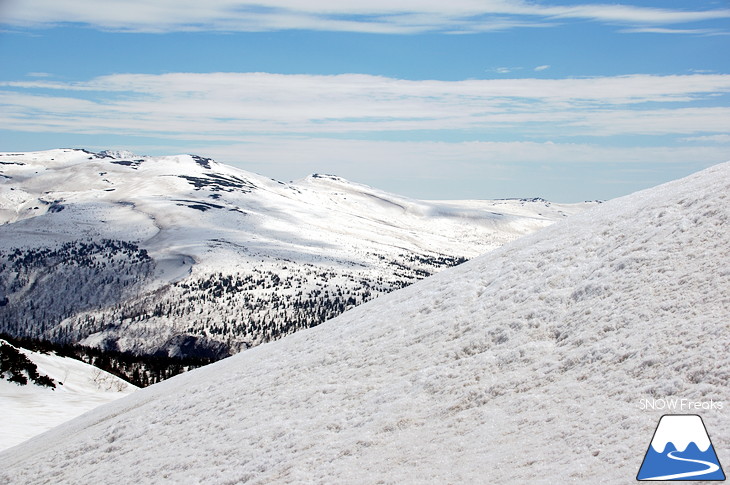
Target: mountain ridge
pixel 184 255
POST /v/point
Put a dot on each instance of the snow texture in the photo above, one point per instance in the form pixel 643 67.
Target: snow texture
pixel 30 410
pixel 525 365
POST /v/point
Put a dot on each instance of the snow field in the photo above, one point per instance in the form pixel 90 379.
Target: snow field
pixel 525 365
pixel 30 410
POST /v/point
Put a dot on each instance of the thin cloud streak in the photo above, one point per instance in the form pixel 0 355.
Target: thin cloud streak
pixel 226 105
pixel 663 30
pixel 720 139
pixel 290 87
pixel 373 16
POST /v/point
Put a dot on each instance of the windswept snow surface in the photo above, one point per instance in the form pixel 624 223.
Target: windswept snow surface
pixel 146 252
pixel 523 366
pixel 30 410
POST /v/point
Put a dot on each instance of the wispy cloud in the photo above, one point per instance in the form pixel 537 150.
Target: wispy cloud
pixel 506 70
pixel 629 14
pixel 224 106
pixel 664 30
pixel 376 16
pixel 542 68
pixel 723 139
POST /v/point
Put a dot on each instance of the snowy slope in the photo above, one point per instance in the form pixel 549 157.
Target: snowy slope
pixel 30 410
pixel 523 366
pixel 184 254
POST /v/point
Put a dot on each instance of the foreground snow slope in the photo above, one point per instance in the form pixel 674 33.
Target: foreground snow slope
pixel 525 366
pixel 30 410
pixel 183 254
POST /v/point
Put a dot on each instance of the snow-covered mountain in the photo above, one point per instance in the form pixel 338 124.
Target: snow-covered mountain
pixel 680 431
pixel 526 365
pixel 188 256
pixel 29 410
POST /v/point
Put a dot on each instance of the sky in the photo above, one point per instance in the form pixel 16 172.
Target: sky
pixel 465 99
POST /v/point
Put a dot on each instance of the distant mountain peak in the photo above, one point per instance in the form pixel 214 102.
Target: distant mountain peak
pixel 327 177
pixel 117 154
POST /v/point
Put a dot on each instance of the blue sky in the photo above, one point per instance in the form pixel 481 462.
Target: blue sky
pixel 566 100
